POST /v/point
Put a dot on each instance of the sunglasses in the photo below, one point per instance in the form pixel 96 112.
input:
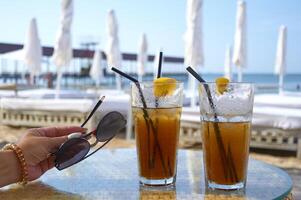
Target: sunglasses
pixel 77 147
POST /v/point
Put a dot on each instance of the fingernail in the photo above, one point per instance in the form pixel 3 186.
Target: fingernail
pixel 74 135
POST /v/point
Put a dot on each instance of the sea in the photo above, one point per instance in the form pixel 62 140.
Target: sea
pixel 77 76
pixel 264 83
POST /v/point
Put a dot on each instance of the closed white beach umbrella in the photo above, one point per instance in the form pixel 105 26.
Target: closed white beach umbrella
pixel 240 39
pixel 194 55
pixel 228 63
pixel 142 57
pixel 32 50
pixel 96 71
pixel 114 57
pixel 280 63
pixel 62 54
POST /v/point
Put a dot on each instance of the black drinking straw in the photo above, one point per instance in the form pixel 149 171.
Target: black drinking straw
pixel 146 116
pixel 93 111
pixel 226 161
pixel 156 100
pixel 195 75
pixel 160 64
pixel 143 102
pixel 125 75
pixel 159 73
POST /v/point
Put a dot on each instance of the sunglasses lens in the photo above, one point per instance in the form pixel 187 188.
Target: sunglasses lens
pixel 71 152
pixel 110 124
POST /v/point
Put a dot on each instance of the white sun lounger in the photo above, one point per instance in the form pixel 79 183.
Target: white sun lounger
pixel 288 100
pixel 44 112
pixel 37 112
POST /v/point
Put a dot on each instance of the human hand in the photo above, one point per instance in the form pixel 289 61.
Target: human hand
pixel 38 144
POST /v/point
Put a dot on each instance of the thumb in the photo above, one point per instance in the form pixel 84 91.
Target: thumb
pixel 56 142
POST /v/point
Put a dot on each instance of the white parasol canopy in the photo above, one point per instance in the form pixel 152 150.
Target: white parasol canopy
pixel 280 63
pixel 114 57
pixel 142 57
pixel 62 54
pixel 194 42
pixel 228 63
pixel 96 71
pixel 32 50
pixel 240 40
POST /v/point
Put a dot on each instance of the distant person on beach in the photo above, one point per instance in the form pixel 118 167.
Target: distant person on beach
pixel 32 155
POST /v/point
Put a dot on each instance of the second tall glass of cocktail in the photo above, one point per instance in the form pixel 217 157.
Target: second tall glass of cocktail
pixel 156 111
pixel 226 114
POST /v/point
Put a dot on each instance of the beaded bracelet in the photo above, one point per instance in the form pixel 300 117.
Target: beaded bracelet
pixel 18 151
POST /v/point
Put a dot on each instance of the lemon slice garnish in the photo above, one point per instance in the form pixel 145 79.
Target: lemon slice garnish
pixel 164 86
pixel 221 84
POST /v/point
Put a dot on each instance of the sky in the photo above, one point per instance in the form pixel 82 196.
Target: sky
pixel 164 22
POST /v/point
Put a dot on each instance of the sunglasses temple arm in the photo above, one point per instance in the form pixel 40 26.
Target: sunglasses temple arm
pixel 98 148
pixel 93 111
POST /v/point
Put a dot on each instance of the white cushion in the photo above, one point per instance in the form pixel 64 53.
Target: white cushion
pixel 268 116
pixel 78 105
pixel 288 100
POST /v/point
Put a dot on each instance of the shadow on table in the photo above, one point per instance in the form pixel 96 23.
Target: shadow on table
pixel 172 195
pixel 223 194
pixel 35 190
pixel 157 194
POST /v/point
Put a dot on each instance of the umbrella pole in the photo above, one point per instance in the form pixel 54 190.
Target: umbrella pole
pixel 31 78
pixel 280 83
pixel 239 74
pixel 140 78
pixel 129 126
pixel 192 83
pixel 58 83
pixel 16 72
pixel 118 82
pixel 97 83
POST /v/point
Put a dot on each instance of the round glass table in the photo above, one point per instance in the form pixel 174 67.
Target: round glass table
pixel 112 174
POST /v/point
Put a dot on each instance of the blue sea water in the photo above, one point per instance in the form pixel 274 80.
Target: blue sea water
pixel 267 82
pixel 264 82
